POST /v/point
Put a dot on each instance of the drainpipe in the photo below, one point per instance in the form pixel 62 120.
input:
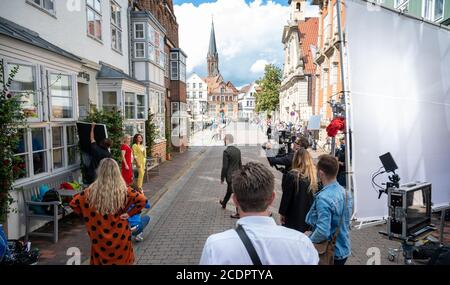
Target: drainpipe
pixel 130 37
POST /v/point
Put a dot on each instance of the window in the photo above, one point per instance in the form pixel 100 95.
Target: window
pixel 46 5
pixel 134 106
pixel 39 150
pixel 130 106
pixel 187 85
pixel 139 51
pixel 22 161
pixel 174 70
pixel 166 68
pixel 399 3
pixel 326 34
pixel 195 95
pixel 24 85
pixel 116 27
pixel 433 10
pixel 140 106
pixel 193 85
pixel 151 34
pixel 222 90
pixel 61 96
pixel 72 145
pixel 139 31
pixel 161 104
pixel 58 147
pixel 109 101
pixel 151 52
pixel 200 85
pixel 438 9
pixel 162 59
pixel 94 18
pixel 200 94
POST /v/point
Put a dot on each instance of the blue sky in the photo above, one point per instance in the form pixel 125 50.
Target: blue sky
pixel 248 35
pixel 197 2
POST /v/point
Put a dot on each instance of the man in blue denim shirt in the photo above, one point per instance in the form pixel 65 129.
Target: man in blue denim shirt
pixel 327 209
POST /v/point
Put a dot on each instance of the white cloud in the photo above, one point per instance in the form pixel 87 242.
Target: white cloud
pixel 246 35
pixel 258 66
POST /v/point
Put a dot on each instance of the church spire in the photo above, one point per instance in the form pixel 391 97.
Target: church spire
pixel 213 56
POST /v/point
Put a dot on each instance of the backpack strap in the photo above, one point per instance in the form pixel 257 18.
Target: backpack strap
pixel 248 245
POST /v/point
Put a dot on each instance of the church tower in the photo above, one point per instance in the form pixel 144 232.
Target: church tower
pixel 297 10
pixel 213 56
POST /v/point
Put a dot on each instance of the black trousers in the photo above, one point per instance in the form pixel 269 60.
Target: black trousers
pixel 228 194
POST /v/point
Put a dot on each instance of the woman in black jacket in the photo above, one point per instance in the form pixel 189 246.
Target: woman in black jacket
pixel 298 191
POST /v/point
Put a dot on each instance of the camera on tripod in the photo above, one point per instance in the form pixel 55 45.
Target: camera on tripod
pixel 285 141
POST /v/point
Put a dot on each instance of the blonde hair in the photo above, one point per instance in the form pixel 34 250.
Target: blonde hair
pixel 108 193
pixel 304 167
pixel 125 138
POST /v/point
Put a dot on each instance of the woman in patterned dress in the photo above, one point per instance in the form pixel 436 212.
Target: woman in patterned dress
pixel 103 207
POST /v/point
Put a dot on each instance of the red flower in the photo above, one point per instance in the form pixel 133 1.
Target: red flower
pixel 6 162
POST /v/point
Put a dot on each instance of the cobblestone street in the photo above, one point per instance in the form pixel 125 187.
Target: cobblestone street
pixel 189 212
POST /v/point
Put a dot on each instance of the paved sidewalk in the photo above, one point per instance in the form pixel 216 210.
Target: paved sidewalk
pixel 72 232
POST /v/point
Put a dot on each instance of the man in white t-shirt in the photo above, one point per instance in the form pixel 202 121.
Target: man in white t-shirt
pixel 253 193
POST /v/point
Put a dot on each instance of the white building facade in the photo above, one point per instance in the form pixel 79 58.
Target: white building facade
pixel 295 106
pixel 150 63
pixel 247 102
pixel 197 97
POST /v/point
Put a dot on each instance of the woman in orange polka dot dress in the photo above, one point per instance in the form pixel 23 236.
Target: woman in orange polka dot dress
pixel 103 207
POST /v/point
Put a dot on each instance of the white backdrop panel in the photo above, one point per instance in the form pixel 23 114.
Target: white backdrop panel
pixel 399 77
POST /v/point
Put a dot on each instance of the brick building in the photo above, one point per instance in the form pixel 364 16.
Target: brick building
pixel 175 72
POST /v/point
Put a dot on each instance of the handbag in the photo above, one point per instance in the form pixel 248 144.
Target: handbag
pixel 326 248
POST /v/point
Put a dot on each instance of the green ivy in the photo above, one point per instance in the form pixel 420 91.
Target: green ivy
pixel 168 140
pixel 114 125
pixel 11 118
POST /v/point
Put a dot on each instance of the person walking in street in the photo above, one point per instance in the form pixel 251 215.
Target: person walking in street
pixel 127 160
pixel 98 152
pixel 231 161
pixel 103 206
pixel 298 190
pixel 257 240
pixel 140 158
pixel 330 212
pixel 269 132
pixel 340 155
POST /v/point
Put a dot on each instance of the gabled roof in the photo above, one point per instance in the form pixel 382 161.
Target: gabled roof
pixel 215 84
pixel 308 33
pixel 246 88
pixel 109 72
pixel 23 34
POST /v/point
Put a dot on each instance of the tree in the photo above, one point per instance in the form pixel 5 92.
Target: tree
pixel 12 118
pixel 114 125
pixel 151 132
pixel 268 98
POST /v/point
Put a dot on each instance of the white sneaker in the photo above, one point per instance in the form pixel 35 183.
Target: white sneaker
pixel 139 237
